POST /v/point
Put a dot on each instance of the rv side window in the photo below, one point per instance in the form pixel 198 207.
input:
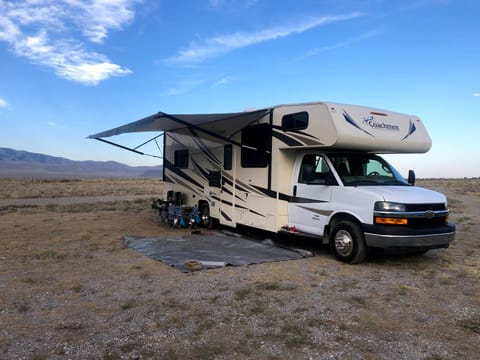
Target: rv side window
pixel 297 121
pixel 256 141
pixel 180 159
pixel 227 157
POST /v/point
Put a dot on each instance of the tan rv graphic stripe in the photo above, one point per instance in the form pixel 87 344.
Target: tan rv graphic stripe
pixel 286 139
pixel 300 200
pixel 209 154
pixel 225 216
pixel 256 213
pixel 307 140
pixel 273 194
pixel 177 180
pixel 236 206
pixel 296 138
pixel 169 166
pixel 203 172
pixel 317 211
pixel 298 132
pixel 247 188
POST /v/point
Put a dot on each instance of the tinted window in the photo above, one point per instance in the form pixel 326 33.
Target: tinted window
pixel 256 142
pixel 181 159
pixel 214 179
pixel 227 157
pixel 297 121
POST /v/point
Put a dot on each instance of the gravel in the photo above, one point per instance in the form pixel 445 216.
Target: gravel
pixel 84 295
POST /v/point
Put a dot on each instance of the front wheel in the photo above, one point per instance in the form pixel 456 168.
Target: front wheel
pixel 347 242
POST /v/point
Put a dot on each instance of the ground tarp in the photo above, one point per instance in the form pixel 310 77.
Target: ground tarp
pixel 202 251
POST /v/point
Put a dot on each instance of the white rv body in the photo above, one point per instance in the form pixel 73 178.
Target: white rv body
pixel 304 168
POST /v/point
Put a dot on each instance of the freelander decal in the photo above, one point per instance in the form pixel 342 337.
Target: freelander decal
pixel 352 122
pixel 373 123
pixel 411 129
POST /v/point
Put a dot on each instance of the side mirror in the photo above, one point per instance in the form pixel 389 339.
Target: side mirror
pixel 411 177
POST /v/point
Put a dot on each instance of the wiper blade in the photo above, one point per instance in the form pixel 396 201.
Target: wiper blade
pixel 395 182
pixel 362 182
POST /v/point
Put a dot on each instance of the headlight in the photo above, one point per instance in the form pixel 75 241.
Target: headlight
pixel 390 206
pixel 390 213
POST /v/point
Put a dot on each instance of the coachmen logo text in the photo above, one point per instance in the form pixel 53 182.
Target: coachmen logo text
pixel 371 121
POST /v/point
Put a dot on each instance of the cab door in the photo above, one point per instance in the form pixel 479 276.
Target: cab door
pixel 309 206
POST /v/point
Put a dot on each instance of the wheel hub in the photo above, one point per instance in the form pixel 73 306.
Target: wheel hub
pixel 343 243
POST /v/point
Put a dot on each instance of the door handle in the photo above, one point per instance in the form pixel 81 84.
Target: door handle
pixel 294 190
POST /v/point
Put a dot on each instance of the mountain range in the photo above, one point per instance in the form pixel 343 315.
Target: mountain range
pixel 24 164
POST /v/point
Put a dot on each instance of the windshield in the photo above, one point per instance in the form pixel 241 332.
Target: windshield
pixel 365 169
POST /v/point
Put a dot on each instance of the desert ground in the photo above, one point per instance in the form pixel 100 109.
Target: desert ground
pixel 70 289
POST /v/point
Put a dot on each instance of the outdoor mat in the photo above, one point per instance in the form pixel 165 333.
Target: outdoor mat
pixel 211 250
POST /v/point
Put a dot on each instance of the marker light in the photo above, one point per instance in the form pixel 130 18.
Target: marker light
pixel 390 221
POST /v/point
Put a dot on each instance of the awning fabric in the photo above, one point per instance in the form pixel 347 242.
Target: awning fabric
pixel 228 123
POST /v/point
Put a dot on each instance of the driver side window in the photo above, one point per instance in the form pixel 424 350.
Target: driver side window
pixel 375 167
pixel 314 170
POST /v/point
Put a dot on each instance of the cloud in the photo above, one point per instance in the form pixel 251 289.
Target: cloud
pixel 476 94
pixel 54 33
pixel 218 4
pixel 224 81
pixel 183 86
pixel 318 50
pixel 219 45
pixel 4 104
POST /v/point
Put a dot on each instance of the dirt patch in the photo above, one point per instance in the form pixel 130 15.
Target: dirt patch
pixel 71 290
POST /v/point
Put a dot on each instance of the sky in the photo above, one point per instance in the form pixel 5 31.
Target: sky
pixel 72 68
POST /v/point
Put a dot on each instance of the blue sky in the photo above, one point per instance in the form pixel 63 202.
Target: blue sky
pixel 71 68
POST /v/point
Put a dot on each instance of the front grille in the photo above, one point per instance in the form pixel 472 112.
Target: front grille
pixel 425 207
pixel 424 222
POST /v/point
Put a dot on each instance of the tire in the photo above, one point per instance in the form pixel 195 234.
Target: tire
pixel 347 242
pixel 206 221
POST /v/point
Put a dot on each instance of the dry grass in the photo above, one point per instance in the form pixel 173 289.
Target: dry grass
pixel 459 186
pixel 70 289
pixel 54 188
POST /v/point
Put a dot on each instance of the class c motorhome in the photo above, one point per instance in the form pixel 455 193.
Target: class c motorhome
pixel 310 169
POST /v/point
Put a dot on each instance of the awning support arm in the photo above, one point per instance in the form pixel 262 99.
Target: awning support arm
pixel 127 148
pixel 146 142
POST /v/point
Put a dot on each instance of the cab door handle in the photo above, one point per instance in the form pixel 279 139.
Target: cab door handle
pixel 294 190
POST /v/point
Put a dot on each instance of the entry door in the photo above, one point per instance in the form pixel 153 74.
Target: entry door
pixel 227 188
pixel 310 205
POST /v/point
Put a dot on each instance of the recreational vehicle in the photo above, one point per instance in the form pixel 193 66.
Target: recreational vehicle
pixel 311 169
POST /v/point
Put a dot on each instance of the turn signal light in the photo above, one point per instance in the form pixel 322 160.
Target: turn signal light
pixel 390 221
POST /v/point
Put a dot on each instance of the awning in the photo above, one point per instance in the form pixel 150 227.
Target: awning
pixel 211 123
pixel 220 126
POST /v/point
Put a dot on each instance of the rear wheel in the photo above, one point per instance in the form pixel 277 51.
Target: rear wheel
pixel 207 221
pixel 347 242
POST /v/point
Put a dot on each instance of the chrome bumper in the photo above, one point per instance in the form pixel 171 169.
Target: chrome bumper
pixel 431 241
